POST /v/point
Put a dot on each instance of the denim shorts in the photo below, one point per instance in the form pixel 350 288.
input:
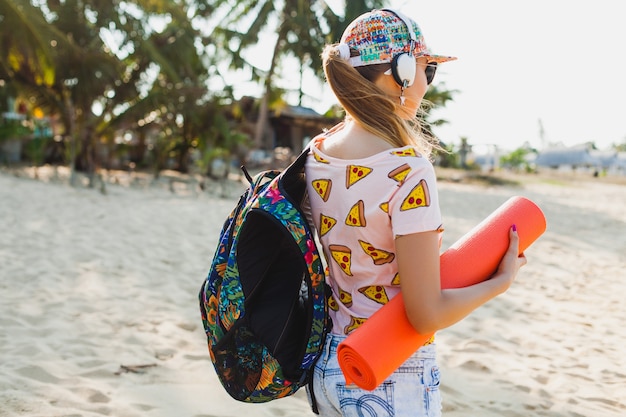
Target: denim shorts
pixel 412 390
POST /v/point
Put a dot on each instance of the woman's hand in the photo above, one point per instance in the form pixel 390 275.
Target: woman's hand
pixel 428 307
pixel 511 262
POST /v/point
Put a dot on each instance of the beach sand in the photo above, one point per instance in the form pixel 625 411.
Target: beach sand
pixel 99 310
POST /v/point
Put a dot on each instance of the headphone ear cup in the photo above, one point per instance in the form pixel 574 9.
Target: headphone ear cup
pixel 403 68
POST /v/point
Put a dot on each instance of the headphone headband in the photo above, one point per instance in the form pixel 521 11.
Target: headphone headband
pixel 409 26
pixel 403 64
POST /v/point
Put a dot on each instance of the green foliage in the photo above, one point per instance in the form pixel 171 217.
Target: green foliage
pixel 35 149
pixel 101 69
pixel 517 160
pixel 620 147
pixel 13 129
pixel 25 47
pixel 447 158
pixel 436 97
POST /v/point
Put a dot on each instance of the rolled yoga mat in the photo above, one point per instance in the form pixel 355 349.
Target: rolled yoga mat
pixel 386 340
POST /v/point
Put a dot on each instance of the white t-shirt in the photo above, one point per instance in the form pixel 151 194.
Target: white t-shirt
pixel 358 208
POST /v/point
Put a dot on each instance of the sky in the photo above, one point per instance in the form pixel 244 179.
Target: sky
pixel 545 72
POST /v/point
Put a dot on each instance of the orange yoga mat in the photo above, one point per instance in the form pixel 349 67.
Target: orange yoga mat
pixel 376 349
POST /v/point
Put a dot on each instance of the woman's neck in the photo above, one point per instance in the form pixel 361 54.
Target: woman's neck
pixel 353 141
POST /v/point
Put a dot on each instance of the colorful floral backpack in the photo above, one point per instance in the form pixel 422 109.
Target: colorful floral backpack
pixel 263 303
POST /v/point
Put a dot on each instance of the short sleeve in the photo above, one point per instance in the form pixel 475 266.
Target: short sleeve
pixel 414 206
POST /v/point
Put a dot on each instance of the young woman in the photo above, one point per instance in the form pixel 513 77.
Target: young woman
pixel 374 204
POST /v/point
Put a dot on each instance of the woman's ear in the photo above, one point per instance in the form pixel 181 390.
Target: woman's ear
pixel 387 83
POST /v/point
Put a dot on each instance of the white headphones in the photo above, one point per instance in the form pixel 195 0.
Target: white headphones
pixel 403 65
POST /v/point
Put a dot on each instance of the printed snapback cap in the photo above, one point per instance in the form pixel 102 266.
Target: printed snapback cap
pixel 380 35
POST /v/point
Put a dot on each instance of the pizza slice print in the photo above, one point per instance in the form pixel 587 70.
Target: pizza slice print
pixel 400 173
pixel 326 223
pixel 345 297
pixel 379 256
pixel 355 322
pixel 322 187
pixel 343 256
pixel 396 279
pixel 375 293
pixel 405 152
pixel 356 216
pixel 332 303
pixel 320 158
pixel 418 197
pixel 356 173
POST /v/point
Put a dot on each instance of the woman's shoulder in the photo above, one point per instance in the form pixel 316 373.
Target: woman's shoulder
pixel 337 150
pixel 349 141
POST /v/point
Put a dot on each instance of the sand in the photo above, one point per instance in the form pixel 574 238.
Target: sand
pixel 99 311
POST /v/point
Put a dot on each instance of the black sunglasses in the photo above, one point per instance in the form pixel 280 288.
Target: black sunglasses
pixel 431 69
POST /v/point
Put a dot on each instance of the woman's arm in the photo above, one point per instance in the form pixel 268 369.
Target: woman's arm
pixel 428 307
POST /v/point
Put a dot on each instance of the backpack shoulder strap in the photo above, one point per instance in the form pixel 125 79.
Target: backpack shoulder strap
pixel 292 181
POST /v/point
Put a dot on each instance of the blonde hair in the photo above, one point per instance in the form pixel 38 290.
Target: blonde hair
pixel 369 105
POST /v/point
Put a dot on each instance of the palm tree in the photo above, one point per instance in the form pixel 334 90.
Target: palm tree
pixel 178 101
pixel 26 50
pixel 352 9
pixel 436 96
pixel 298 32
pixel 301 27
pixel 113 77
pixel 86 72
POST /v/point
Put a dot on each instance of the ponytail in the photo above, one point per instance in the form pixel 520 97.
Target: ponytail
pixel 366 103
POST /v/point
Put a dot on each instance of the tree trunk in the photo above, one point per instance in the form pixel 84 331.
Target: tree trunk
pixel 261 123
pixel 69 108
pixel 89 154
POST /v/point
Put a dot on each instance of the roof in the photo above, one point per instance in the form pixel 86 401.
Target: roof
pixel 565 156
pixel 580 156
pixel 297 112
